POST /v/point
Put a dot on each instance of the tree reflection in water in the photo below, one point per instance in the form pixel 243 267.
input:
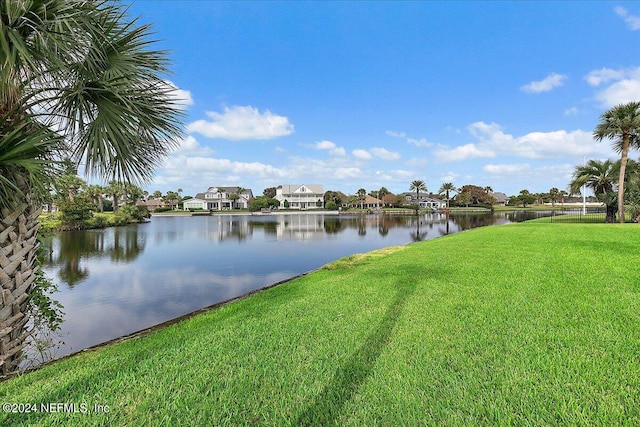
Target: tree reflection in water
pixel 66 250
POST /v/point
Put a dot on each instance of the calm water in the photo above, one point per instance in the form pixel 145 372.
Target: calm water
pixel 116 281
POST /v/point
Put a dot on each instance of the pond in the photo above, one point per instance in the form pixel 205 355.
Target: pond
pixel 115 281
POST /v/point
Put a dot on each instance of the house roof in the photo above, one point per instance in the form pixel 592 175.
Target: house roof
pixel 370 200
pixel 423 196
pixel 500 197
pixel 293 188
pixel 229 190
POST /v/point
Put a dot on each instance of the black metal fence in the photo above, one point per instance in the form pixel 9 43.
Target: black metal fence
pixel 590 215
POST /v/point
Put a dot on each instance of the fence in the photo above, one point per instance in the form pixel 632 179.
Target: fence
pixel 591 215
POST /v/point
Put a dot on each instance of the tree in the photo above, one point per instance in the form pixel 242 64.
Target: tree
pixel 115 189
pixel 157 194
pixel 599 176
pixel 95 194
pixel 382 192
pixel 622 124
pixel 554 195
pixel 479 195
pixel 418 186
pixel 362 194
pixel 171 197
pixel 269 192
pixel 526 198
pixel 78 80
pixel 263 202
pixel 446 188
pixel 464 198
pixel 68 186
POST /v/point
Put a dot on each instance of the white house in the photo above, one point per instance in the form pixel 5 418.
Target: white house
pixel 221 198
pixel 300 196
pixel 423 200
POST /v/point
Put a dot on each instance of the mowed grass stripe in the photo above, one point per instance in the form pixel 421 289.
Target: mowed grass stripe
pixel 525 324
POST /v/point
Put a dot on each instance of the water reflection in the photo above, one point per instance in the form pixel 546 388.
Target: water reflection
pixel 66 251
pixel 116 281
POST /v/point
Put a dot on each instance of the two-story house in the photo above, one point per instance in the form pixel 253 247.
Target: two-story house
pixel 221 198
pixel 423 200
pixel 301 196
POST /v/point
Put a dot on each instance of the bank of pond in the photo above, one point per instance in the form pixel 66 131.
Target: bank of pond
pixel 512 325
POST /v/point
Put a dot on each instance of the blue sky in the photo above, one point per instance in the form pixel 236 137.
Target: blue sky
pixel 368 94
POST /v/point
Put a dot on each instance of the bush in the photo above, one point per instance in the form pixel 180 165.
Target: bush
pixel 128 213
pixel 99 221
pixel 75 213
pixel 261 202
pixel 165 209
pixel 331 205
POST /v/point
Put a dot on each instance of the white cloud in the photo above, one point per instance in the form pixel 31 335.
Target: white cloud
pixel 348 172
pixel 189 145
pixel 506 169
pixel 181 97
pixel 492 141
pixel 552 81
pixel 396 134
pixel 620 92
pixel 362 154
pixel 242 122
pixel 325 145
pixel 623 85
pixel 632 21
pixel 604 75
pixel 462 152
pixel 385 154
pixel 573 111
pixel 449 177
pixel 422 142
pixel 333 149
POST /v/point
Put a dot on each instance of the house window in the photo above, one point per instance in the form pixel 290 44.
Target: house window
pixel 208 196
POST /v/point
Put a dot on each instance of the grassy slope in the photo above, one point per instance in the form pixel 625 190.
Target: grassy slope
pixel 525 324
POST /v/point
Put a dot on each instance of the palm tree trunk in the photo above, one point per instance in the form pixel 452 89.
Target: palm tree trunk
pixel 18 247
pixel 623 167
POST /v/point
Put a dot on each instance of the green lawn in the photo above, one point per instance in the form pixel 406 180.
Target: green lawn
pixel 523 324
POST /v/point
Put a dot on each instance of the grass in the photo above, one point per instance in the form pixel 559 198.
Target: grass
pixel 524 324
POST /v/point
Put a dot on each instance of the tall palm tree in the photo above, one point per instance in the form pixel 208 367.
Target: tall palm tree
pixel 622 124
pixel 362 194
pixel 78 79
pixel 554 195
pixel 381 193
pixel 418 186
pixel 95 193
pixel 116 190
pixel 599 176
pixel 446 188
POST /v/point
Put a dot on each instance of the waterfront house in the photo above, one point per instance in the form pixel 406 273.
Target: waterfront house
pixel 501 198
pixel 423 200
pixel 300 196
pixel 221 198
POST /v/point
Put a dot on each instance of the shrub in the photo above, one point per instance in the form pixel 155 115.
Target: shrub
pixel 98 221
pixel 331 205
pixel 74 213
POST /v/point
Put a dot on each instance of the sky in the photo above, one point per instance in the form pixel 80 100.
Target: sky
pixel 363 94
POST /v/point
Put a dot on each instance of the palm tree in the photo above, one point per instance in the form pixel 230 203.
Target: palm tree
pixel 622 124
pixel 554 195
pixel 115 189
pixel 446 188
pixel 599 176
pixel 78 80
pixel 418 186
pixel 362 194
pixel 381 193
pixel 95 193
